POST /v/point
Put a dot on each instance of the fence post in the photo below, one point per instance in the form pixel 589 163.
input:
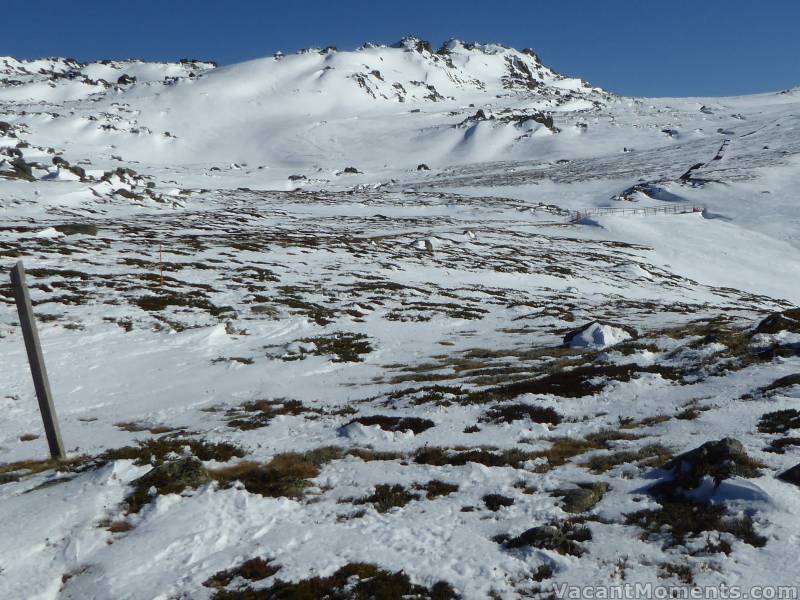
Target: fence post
pixel 36 360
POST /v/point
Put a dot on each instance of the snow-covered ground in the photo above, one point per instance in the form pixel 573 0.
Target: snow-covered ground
pixel 382 261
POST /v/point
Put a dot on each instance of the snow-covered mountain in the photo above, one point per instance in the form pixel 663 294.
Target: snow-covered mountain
pixel 436 322
pixel 460 102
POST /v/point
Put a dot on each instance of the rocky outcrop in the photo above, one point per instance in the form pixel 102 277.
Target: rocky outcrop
pixel 787 320
pixel 718 460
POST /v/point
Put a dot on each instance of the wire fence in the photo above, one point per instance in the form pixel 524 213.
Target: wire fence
pixel 674 209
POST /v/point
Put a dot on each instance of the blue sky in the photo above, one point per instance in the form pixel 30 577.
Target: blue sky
pixel 633 47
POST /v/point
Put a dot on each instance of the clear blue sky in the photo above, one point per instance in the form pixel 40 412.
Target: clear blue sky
pixel 633 47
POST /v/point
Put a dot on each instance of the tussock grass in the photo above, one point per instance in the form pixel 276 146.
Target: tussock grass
pixel 508 413
pixel 495 502
pixel 155 451
pixel 676 520
pixel 651 455
pixel 254 569
pixel 259 413
pixel 436 488
pixel 387 423
pixel 564 537
pixel 386 497
pixel 354 581
pixel 286 475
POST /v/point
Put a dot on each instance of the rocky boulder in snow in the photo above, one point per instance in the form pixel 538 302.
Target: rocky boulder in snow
pixel 581 498
pixel 787 320
pixel 791 475
pixel 719 460
pixel 16 168
pixel 175 475
pixel 596 335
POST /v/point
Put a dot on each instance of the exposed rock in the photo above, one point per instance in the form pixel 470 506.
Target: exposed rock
pixel 12 152
pixel 76 170
pixel 124 172
pixel 127 194
pixel 21 169
pixel 126 79
pixel 351 170
pixel 783 382
pixel 791 475
pixel 411 43
pixel 174 476
pixel 415 424
pixel 719 460
pixel 581 498
pixel 563 539
pixel 788 320
pixel 77 229
pixel 423 167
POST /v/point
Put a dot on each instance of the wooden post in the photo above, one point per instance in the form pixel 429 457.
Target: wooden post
pixel 36 360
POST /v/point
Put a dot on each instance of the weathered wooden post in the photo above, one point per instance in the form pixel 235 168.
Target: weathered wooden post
pixel 36 360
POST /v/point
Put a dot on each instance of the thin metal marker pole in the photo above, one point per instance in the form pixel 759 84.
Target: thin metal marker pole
pixel 36 360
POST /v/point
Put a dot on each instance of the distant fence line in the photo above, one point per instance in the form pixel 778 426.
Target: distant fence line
pixel 675 209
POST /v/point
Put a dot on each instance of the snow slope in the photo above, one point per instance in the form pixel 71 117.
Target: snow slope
pixel 378 251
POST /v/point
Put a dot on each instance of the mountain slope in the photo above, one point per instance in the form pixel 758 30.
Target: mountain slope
pixel 287 356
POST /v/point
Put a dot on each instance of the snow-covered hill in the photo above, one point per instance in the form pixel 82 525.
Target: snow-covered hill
pixel 310 110
pixel 431 321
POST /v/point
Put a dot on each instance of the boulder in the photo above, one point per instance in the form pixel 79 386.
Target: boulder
pixel 563 538
pixel 77 229
pixel 581 498
pixel 596 335
pixel 22 169
pixel 787 320
pixel 719 460
pixel 791 475
pixel 174 476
